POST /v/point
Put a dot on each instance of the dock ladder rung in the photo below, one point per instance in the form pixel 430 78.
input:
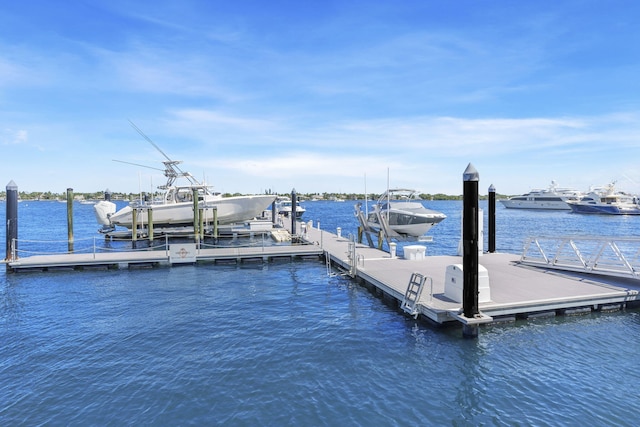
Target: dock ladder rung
pixel 412 295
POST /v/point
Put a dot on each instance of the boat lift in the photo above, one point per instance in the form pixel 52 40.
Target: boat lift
pixel 385 233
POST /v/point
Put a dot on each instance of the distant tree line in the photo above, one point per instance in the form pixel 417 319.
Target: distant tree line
pixel 100 195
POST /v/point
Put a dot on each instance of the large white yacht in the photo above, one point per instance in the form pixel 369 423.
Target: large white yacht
pixel 606 200
pixel 552 198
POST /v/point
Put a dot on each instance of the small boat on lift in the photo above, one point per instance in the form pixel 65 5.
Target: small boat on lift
pixel 178 202
pixel 401 209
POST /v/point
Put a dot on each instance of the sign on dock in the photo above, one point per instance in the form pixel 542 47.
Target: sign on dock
pixel 182 253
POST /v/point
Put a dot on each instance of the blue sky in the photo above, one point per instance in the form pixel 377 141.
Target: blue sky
pixel 321 96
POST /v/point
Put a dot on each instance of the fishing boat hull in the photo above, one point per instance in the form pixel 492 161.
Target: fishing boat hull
pixel 229 210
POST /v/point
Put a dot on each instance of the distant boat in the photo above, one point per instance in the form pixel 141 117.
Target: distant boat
pixel 403 211
pixel 607 201
pixel 285 206
pixel 553 198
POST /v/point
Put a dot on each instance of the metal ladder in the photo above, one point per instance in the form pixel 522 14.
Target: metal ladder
pixel 412 295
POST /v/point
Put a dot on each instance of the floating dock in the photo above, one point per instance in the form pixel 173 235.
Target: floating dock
pixel 514 289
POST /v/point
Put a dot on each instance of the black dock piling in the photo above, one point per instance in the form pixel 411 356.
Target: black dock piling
pixel 107 195
pixel 294 202
pixel 12 222
pixel 70 218
pixel 470 249
pixel 492 219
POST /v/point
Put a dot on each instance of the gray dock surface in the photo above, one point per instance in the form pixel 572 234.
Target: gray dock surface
pixel 516 289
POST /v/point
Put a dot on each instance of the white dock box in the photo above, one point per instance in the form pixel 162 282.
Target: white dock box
pixel 414 252
pixel 454 281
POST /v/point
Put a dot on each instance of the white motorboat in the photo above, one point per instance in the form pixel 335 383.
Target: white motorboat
pixel 176 207
pixel 608 201
pixel 403 211
pixel 552 198
pixel 284 205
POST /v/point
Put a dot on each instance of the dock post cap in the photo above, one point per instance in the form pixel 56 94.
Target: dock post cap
pixel 470 174
pixel 492 189
pixel 12 185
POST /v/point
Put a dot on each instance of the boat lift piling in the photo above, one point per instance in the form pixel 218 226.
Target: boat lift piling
pixel 196 216
pixel 492 219
pixel 70 218
pixel 134 228
pixel 294 202
pixel 12 221
pixel 215 224
pixel 274 213
pixel 150 224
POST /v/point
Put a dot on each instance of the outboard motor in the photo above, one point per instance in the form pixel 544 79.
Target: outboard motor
pixel 103 210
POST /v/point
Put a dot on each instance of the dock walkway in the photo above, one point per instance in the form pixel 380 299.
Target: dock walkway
pixel 176 254
pixel 516 290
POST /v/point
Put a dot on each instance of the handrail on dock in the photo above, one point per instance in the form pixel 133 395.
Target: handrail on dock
pixel 53 247
pixel 613 256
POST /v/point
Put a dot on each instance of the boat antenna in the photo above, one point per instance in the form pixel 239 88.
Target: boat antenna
pixel 137 164
pixel 172 170
pixel 142 134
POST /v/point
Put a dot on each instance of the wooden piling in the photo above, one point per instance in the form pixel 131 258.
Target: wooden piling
pixel 215 224
pixel 196 219
pixel 294 202
pixel 150 223
pixel 134 227
pixel 70 218
pixel 274 213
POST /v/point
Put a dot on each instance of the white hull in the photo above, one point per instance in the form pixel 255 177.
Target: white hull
pixel 535 204
pixel 230 210
pixel 414 230
pixel 553 198
pixel 407 218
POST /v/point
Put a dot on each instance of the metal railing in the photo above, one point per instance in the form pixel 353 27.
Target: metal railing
pixel 613 256
pixel 22 248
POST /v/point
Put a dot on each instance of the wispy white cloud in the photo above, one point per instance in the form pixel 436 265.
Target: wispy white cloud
pixel 14 137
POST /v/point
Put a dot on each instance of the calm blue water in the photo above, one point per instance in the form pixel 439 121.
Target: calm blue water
pixel 283 344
